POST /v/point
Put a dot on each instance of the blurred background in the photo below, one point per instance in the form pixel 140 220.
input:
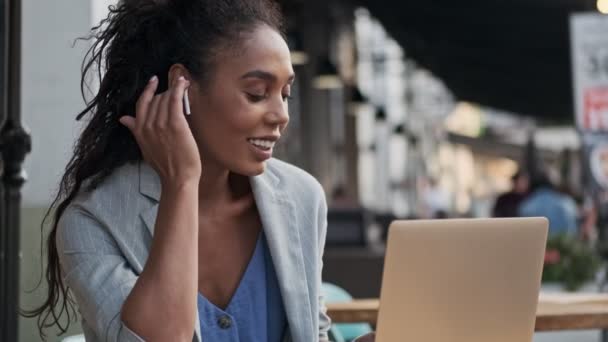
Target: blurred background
pixel 401 109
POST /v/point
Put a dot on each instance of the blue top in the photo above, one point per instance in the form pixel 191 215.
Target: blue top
pixel 255 312
pixel 558 208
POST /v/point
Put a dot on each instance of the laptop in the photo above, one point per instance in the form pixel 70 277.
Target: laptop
pixel 464 280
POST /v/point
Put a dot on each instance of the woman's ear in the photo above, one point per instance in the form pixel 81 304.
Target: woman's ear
pixel 176 71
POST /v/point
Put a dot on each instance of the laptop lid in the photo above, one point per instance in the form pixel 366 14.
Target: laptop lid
pixel 464 280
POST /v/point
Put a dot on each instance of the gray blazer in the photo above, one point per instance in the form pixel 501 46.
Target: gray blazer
pixel 104 236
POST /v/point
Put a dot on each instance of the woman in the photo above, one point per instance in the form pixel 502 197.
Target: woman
pixel 173 227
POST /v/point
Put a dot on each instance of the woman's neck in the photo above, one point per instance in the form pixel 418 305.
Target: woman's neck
pixel 220 187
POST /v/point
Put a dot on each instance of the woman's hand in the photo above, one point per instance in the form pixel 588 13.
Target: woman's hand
pixel 163 134
pixel 371 337
pixel 167 144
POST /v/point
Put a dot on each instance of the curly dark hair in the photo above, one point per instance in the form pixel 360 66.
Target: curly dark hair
pixel 138 39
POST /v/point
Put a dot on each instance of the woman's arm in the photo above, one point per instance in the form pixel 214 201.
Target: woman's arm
pixel 159 304
pixel 162 304
pixel 101 278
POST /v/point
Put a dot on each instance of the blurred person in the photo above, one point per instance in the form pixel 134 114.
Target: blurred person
pixel 546 201
pixel 588 220
pixel 341 199
pixel 435 200
pixel 174 227
pixel 507 204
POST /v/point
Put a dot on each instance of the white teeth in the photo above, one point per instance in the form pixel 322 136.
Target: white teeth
pixel 262 143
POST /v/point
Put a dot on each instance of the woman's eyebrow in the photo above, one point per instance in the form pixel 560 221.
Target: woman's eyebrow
pixel 265 75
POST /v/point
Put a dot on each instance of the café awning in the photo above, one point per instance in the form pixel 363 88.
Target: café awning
pixel 508 54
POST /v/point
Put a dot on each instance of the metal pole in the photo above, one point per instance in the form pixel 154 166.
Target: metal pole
pixel 15 144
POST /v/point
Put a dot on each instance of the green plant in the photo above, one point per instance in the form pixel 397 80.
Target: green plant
pixel 570 262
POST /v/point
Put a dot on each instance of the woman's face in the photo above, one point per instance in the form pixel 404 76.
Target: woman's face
pixel 239 115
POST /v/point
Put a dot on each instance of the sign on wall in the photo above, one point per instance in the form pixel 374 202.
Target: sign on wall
pixel 589 49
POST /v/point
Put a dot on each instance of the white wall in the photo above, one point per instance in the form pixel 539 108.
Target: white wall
pixel 99 9
pixel 50 88
pixel 50 101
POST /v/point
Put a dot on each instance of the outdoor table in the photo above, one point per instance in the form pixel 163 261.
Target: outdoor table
pixel 555 311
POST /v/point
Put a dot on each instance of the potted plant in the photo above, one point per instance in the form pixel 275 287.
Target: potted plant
pixel 569 262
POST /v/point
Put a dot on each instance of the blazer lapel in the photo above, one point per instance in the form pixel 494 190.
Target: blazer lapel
pixel 277 214
pixel 149 186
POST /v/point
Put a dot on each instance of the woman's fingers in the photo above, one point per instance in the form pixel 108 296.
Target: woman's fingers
pixel 163 109
pixel 160 129
pixel 141 106
pixel 129 122
pixel 143 103
pixel 153 110
pixel 177 96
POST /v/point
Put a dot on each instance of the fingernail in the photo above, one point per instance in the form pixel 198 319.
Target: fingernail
pixel 153 79
pixel 181 78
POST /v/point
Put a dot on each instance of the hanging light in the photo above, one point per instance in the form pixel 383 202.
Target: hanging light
pixel 326 76
pixel 399 129
pixel 380 114
pixel 357 101
pixel 357 97
pixel 602 6
pixel 296 49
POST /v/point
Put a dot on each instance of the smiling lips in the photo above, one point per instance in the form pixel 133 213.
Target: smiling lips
pixel 263 144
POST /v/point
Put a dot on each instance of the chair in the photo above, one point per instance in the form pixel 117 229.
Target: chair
pixel 343 332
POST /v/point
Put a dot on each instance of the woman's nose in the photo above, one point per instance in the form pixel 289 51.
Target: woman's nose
pixel 279 114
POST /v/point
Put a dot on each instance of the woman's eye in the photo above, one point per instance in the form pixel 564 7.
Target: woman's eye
pixel 255 98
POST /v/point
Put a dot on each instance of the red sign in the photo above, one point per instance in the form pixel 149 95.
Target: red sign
pixel 595 109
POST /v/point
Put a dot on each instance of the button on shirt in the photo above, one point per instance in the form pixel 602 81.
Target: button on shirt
pixel 255 312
